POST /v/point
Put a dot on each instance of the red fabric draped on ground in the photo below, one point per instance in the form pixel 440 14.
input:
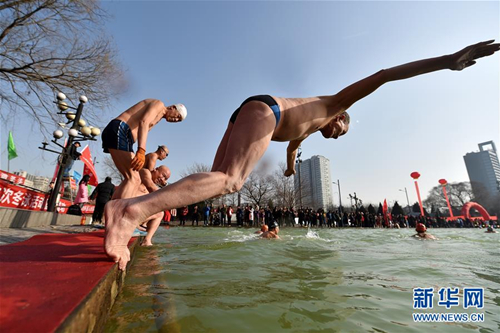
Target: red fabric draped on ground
pixel 43 279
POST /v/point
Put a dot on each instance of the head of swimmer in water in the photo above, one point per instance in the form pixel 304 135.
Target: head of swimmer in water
pixel 336 127
pixel 175 113
pixel 274 227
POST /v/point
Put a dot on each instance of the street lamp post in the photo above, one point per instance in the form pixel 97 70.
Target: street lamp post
pixel 299 162
pixel 340 196
pixel 408 201
pixel 78 132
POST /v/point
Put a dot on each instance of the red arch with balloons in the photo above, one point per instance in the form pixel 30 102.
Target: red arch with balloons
pixel 474 205
pixel 465 209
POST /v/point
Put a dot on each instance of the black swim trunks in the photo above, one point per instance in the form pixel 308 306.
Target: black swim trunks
pixel 117 135
pixel 261 98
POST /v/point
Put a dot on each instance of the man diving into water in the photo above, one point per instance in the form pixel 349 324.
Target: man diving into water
pixel 257 122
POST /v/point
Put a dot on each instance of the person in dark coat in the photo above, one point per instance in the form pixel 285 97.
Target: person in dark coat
pixel 102 194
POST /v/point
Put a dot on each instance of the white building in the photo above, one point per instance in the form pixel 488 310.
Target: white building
pixel 39 182
pixel 313 183
pixel 484 169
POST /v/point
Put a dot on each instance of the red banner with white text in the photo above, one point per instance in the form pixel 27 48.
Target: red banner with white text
pixel 11 177
pixel 13 196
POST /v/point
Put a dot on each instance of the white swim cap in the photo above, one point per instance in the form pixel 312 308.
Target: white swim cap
pixel 182 110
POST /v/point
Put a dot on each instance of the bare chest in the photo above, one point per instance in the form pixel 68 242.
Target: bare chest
pixel 300 117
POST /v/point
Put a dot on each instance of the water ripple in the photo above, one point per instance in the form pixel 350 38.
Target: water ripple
pixel 319 280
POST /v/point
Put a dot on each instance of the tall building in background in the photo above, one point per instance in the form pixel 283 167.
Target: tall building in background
pixel 483 168
pixel 315 185
pixel 39 182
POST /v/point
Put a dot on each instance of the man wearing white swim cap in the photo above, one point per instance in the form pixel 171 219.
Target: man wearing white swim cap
pixel 258 121
pixel 132 126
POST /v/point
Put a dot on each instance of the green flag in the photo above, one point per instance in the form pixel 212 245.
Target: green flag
pixel 11 147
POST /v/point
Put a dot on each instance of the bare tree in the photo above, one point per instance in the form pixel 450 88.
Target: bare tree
pixel 284 190
pixel 47 46
pixel 458 194
pixel 111 169
pixel 258 188
pixel 232 199
pixel 196 168
pixel 199 168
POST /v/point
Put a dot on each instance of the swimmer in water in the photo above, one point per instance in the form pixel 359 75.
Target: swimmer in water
pixel 490 230
pixel 421 232
pixel 263 229
pixel 273 231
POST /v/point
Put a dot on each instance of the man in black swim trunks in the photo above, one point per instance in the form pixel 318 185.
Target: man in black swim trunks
pixel 133 125
pixel 259 121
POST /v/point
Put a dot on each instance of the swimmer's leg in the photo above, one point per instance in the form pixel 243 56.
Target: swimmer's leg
pixel 249 139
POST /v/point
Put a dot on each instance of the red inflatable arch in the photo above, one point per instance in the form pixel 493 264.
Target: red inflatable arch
pixel 466 210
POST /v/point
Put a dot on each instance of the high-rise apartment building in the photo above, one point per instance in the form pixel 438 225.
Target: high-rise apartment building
pixel 39 182
pixel 313 186
pixel 484 169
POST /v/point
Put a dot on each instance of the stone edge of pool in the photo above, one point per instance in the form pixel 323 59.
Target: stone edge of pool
pixel 93 312
pixel 40 275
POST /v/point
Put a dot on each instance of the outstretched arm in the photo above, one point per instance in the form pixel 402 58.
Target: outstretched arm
pixel 151 110
pixel 291 153
pixel 147 180
pixel 456 61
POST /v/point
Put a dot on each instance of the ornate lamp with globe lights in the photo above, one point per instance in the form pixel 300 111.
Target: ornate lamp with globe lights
pixel 79 131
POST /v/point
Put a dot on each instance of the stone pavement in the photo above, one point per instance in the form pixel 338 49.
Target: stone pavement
pixel 14 235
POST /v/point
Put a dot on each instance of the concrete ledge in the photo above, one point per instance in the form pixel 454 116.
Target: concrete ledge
pixel 20 218
pixel 93 312
pixel 58 283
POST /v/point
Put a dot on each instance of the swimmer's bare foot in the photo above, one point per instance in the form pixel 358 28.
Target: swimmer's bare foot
pixel 119 229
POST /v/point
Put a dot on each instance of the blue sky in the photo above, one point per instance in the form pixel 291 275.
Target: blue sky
pixel 211 56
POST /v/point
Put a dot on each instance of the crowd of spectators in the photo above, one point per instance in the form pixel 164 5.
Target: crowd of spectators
pixel 250 216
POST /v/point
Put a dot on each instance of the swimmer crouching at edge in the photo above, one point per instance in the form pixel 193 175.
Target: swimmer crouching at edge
pixel 422 232
pixel 257 122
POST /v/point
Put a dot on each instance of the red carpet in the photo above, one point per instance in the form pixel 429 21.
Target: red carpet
pixel 43 279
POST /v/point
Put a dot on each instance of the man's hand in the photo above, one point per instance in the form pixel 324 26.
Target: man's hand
pixel 289 172
pixel 465 58
pixel 139 159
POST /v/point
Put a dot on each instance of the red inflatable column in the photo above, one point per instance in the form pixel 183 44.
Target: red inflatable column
pixel 415 175
pixel 443 183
